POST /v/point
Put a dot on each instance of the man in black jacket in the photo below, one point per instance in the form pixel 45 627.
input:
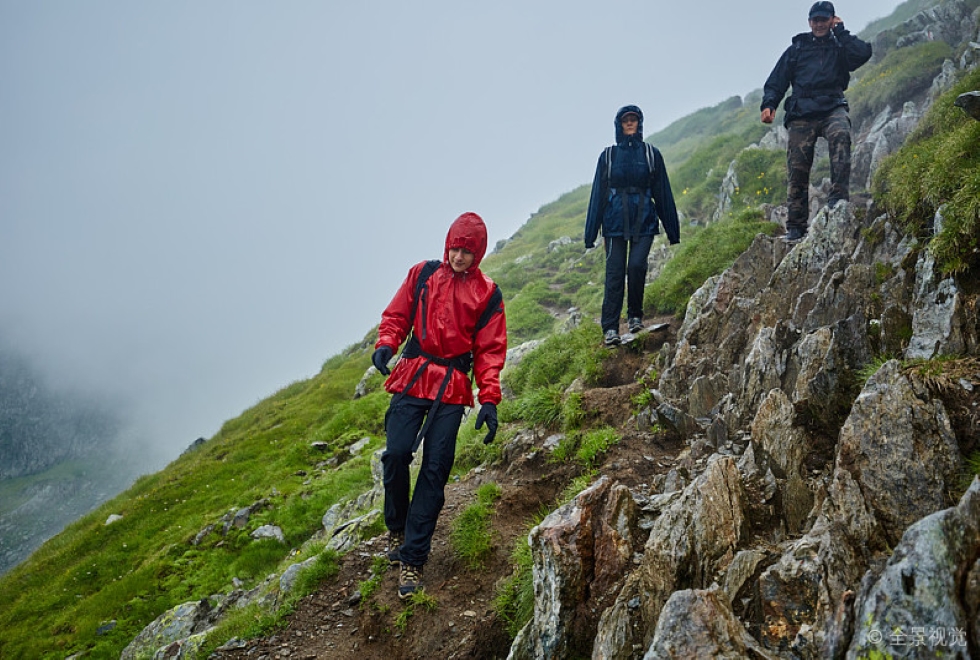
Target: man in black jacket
pixel 818 65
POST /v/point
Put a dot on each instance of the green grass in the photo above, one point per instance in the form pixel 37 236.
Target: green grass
pixel 900 75
pixel 514 599
pixel 418 601
pixel 367 588
pixel 471 535
pixel 706 253
pixel 135 569
pixel 938 167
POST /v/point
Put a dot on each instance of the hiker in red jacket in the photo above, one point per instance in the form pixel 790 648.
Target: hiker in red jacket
pixel 455 316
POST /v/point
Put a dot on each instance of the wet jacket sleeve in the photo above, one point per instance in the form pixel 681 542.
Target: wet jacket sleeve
pixel 856 52
pixel 593 219
pixel 778 82
pixel 489 355
pixel 663 196
pixel 395 321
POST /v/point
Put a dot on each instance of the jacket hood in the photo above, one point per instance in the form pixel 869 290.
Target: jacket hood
pixel 619 126
pixel 470 233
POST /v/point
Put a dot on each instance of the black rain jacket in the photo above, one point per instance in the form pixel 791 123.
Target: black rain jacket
pixel 819 71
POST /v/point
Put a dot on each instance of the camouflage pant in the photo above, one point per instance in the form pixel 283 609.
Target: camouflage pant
pixel 803 134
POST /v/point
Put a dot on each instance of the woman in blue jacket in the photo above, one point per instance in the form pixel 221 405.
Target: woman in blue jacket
pixel 631 199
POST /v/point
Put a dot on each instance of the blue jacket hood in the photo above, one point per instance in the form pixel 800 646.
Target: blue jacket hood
pixel 619 126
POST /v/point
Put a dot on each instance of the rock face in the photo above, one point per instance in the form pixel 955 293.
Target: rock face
pixel 785 550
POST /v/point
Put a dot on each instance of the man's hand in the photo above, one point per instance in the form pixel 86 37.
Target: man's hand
pixel 488 414
pixel 768 115
pixel 381 358
pixel 835 21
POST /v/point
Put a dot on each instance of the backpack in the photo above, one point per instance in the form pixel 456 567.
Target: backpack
pixel 650 160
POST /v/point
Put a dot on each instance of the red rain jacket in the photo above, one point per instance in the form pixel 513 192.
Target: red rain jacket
pixel 445 324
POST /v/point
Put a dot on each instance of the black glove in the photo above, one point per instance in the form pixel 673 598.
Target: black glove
pixel 381 358
pixel 488 414
pixel 589 245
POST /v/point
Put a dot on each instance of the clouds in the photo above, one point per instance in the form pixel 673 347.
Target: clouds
pixel 201 202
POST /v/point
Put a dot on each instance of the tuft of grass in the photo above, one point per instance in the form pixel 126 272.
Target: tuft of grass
pixel 419 600
pixel 470 535
pixel 367 588
pixel 867 371
pixel 594 443
pixel 514 598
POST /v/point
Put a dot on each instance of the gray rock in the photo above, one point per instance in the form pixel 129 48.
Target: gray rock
pixel 936 326
pixel 581 552
pixel 175 624
pixel 691 542
pixel 969 102
pixel 268 532
pixel 899 446
pixel 699 623
pixel 915 608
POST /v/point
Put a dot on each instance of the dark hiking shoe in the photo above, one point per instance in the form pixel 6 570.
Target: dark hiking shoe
pixel 611 338
pixel 795 234
pixel 635 325
pixel 409 580
pixel 395 542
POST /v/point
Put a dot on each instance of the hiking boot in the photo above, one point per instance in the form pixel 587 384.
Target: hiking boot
pixel 395 542
pixel 611 338
pixel 635 325
pixel 795 234
pixel 409 580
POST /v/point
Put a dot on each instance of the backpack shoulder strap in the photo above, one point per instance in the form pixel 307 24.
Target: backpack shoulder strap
pixel 650 159
pixel 493 307
pixel 609 153
pixel 430 267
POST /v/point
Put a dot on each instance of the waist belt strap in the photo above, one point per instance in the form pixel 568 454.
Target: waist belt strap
pixel 628 229
pixel 820 91
pixel 462 362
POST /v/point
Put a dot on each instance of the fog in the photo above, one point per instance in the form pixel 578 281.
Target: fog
pixel 200 202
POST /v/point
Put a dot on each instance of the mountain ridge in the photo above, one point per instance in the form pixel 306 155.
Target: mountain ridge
pixel 339 422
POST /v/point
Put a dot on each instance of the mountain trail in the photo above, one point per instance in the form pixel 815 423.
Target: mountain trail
pixel 331 623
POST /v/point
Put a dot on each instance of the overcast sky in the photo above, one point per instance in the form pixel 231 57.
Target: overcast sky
pixel 201 201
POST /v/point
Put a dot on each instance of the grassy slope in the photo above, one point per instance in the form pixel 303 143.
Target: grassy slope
pixel 136 568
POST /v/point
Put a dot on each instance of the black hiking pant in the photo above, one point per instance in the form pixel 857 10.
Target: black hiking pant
pixel 417 517
pixel 626 270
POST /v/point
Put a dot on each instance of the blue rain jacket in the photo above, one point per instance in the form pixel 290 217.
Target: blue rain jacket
pixel 627 201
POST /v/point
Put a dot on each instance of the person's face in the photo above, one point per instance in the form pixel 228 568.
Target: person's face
pixel 820 26
pixel 461 259
pixel 630 124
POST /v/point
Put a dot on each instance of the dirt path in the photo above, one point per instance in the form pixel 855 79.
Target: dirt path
pixel 333 624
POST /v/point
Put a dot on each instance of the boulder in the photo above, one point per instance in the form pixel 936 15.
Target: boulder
pixel 916 608
pixel 699 623
pixel 692 543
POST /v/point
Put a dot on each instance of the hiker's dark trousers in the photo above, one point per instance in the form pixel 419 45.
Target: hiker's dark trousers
pixel 417 518
pixel 626 268
pixel 803 134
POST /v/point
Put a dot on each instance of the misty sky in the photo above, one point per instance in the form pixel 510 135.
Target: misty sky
pixel 201 201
